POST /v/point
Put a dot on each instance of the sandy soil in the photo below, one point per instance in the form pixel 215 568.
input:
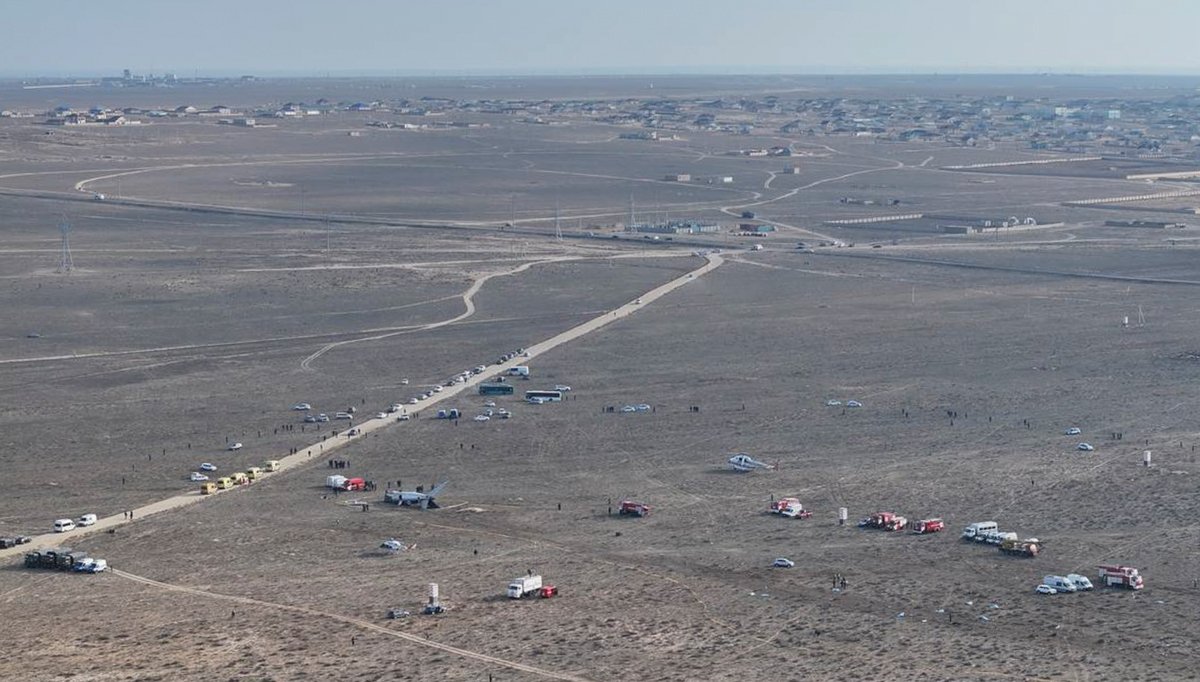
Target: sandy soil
pixel 180 329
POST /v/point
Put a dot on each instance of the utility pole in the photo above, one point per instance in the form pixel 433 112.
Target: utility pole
pixel 65 264
pixel 557 226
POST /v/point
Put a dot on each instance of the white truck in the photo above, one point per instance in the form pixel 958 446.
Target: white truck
pixel 519 371
pixel 335 481
pixel 524 586
pixel 977 528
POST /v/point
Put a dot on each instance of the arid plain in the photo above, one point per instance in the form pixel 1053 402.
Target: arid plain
pixel 228 274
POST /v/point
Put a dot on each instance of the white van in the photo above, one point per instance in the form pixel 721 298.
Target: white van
pixel 86 520
pixel 1079 581
pixel 977 528
pixel 1059 583
pixel 63 525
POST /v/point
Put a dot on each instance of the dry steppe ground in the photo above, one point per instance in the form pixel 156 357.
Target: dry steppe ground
pixel 181 329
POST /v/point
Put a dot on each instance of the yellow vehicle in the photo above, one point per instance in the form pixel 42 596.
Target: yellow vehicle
pixel 239 478
pixel 224 483
pixel 272 465
pixel 208 488
pixel 253 473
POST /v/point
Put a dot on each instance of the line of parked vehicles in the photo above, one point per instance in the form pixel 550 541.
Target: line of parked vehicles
pixel 987 532
pixel 248 476
pixel 65 559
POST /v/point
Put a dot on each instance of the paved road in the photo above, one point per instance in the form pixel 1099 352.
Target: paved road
pixel 323 450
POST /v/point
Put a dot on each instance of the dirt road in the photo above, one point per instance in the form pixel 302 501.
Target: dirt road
pixel 331 444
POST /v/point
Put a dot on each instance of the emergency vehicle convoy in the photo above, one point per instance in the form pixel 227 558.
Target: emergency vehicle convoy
pixel 531 584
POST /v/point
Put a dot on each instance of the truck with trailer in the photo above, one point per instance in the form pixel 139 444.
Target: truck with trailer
pixel 524 586
pixel 632 508
pixel 1026 548
pixel 57 559
pixel 1121 576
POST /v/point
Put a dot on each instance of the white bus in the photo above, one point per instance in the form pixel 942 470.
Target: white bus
pixel 543 396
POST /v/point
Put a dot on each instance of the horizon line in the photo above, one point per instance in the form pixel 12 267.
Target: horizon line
pixel 665 72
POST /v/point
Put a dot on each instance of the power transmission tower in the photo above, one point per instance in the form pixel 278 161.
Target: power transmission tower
pixel 65 264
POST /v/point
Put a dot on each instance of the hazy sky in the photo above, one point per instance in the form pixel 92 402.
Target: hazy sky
pixel 597 36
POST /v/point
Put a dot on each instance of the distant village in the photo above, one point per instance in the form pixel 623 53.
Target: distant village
pixel 1111 127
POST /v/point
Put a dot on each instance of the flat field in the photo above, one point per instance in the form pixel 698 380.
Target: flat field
pixel 179 331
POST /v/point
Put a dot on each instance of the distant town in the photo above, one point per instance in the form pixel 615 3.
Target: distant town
pixel 1136 128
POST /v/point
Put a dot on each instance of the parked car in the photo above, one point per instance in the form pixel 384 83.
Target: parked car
pixel 1073 431
pixel 322 417
pixel 783 563
pixel 562 387
pixel 310 419
pixel 832 403
pixel 1046 589
pixel 853 403
pixel 208 466
pixel 301 407
pixel 235 446
pixel 482 418
pixel 196 477
pixel 1086 447
pixel 87 520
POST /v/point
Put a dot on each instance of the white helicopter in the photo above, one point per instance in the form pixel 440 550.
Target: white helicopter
pixel 743 462
pixel 415 498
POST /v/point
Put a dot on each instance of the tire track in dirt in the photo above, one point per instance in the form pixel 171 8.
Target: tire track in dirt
pixel 468 299
pixel 358 622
